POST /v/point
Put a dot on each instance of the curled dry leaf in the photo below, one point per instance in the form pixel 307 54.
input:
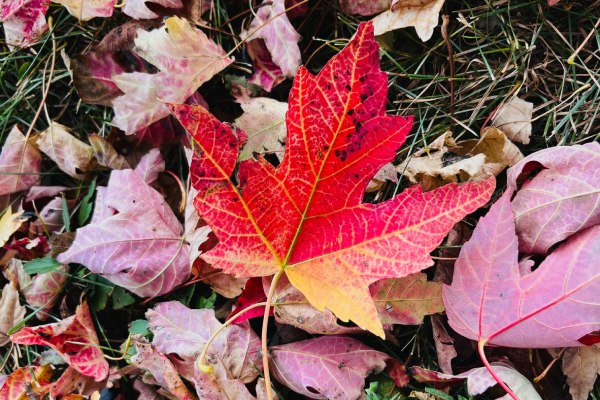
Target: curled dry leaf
pixel 74 338
pixel 69 153
pixel 9 223
pixel 327 367
pixel 514 119
pixel 492 302
pixel 139 10
pixel 445 161
pixel 11 312
pixel 23 21
pixel 20 163
pixel 134 239
pixel 25 381
pixel 185 57
pixel 291 219
pixel 423 15
pixel 560 199
pixel 84 10
pixel 266 73
pixel 106 155
pixel 581 365
pixel 271 24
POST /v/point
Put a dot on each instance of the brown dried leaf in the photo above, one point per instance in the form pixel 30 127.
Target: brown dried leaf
pixel 69 153
pixel 11 312
pixel 514 119
pixel 581 365
pixel 106 154
pixel 422 14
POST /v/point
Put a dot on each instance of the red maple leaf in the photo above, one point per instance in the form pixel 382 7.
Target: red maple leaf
pixel 306 217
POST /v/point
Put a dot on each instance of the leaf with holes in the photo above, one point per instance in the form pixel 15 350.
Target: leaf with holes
pixel 306 217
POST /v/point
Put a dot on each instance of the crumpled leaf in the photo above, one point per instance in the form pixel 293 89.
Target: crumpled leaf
pixel 423 15
pixel 581 365
pixel 185 57
pixel 293 218
pixel 137 8
pixel 559 200
pixel 69 153
pixel 26 379
pixel 161 368
pixel 406 300
pixel 364 7
pixel 271 24
pixel 20 163
pixel 11 312
pixel 327 367
pixel 234 355
pixel 514 119
pixel 492 302
pixel 9 223
pixel 263 121
pixel 106 155
pixel 84 10
pixel 266 73
pixel 74 338
pixel 24 21
pixel 445 161
pixel 134 239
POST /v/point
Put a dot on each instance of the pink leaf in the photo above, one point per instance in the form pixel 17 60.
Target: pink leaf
pixel 137 242
pixel 328 367
pixel 20 163
pixel 24 21
pixel 74 338
pixel 139 10
pixel 561 199
pixel 553 306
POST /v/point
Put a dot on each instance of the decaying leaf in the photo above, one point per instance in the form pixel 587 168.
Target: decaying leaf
pixel 492 302
pixel 266 74
pixel 24 21
pixel 423 15
pixel 364 7
pixel 106 155
pixel 444 345
pixel 271 24
pixel 69 153
pixel 293 219
pixel 139 10
pixel 445 161
pixel 560 199
pixel 581 365
pixel 84 10
pixel 185 57
pixel 20 163
pixel 514 119
pixel 74 338
pixel 25 380
pixel 406 300
pixel 134 239
pixel 264 123
pixel 327 367
pixel 9 223
pixel 11 312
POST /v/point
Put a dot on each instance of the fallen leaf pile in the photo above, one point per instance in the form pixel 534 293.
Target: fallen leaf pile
pixel 141 263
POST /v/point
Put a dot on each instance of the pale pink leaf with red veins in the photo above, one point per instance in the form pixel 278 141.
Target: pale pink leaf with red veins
pixel 281 39
pixel 266 73
pixel 20 163
pixel 561 199
pixel 150 166
pixel 44 289
pixel 162 369
pixel 306 216
pixel 26 380
pixel 364 7
pixel 328 367
pixel 185 57
pixel 74 338
pixel 139 10
pixel 84 10
pixel 491 302
pixel 24 21
pixel 136 242
pixel 407 300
